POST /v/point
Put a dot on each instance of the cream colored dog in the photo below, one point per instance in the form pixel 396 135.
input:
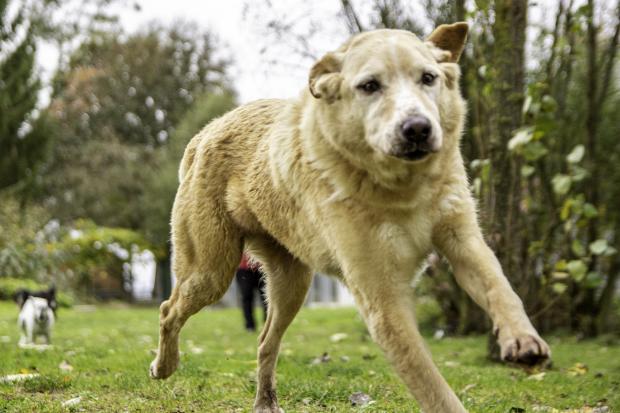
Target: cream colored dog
pixel 361 177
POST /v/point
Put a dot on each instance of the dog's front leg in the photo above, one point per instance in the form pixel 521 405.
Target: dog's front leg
pixel 47 337
pixel 387 308
pixel 478 272
pixel 29 336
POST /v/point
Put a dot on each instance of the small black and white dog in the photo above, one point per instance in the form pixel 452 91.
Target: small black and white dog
pixel 37 314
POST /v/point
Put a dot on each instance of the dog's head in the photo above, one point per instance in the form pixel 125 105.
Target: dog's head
pixel 48 295
pixel 392 91
pixel 42 311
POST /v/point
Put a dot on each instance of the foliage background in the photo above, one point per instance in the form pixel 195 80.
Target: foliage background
pixel 87 179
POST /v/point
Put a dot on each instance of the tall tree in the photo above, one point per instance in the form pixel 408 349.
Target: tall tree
pixel 21 147
pixel 119 100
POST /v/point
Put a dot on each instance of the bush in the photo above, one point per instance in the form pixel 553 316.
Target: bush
pixel 9 285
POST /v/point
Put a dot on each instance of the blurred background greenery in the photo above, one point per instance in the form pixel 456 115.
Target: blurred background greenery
pixel 88 174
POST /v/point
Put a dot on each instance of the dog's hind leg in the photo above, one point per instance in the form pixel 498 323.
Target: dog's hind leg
pixel 288 281
pixel 206 251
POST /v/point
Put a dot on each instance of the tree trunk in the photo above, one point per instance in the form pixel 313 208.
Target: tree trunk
pixel 509 61
pixel 509 34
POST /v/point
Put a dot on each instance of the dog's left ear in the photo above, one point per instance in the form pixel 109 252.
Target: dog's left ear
pixel 51 298
pixel 324 80
pixel 451 38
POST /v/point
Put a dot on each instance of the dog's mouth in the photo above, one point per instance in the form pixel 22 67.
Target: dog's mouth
pixel 416 155
pixel 414 152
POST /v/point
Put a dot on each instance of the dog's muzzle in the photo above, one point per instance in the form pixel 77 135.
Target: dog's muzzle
pixel 416 138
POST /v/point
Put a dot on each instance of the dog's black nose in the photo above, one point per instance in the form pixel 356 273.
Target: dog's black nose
pixel 416 128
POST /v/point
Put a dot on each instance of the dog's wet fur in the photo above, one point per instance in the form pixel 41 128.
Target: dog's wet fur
pixel 360 177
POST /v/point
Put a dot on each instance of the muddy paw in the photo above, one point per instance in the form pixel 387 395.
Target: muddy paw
pixel 160 370
pixel 267 409
pixel 267 402
pixel 526 349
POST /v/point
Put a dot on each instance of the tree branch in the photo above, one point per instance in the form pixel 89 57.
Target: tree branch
pixel 612 50
pixel 353 22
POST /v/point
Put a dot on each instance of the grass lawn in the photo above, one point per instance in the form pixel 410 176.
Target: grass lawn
pixel 109 349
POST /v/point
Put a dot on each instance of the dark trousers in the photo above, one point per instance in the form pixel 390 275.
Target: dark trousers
pixel 249 281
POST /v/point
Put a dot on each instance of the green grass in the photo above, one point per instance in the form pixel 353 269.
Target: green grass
pixel 110 350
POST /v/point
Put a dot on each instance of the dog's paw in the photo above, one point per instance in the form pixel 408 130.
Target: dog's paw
pixel 267 409
pixel 267 402
pixel 159 370
pixel 527 349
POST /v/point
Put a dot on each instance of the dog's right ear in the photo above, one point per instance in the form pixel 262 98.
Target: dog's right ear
pixel 20 297
pixel 325 79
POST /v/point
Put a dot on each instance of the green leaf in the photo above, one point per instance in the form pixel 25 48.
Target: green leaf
pixel 589 210
pixel 533 151
pixel 576 155
pixel 527 170
pixel 527 104
pixel 520 138
pixel 548 103
pixel 577 248
pixel 578 173
pixel 593 280
pixel 558 288
pixel 577 269
pixel 598 247
pixel 560 265
pixel 561 184
pixel 566 208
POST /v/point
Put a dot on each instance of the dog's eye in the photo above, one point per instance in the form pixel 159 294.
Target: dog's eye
pixel 428 78
pixel 370 86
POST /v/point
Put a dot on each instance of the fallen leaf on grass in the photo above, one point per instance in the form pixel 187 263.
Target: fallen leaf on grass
pixel 196 350
pixel 586 409
pixel 468 387
pixel 17 377
pixel 39 347
pixel 71 402
pixel 452 364
pixel 360 399
pixel 65 366
pixel 579 369
pixel 536 377
pixel 325 358
pixel 338 337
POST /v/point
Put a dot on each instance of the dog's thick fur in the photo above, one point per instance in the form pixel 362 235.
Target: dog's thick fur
pixel 328 183
pixel 36 319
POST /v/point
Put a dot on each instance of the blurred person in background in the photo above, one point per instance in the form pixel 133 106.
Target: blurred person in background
pixel 250 279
